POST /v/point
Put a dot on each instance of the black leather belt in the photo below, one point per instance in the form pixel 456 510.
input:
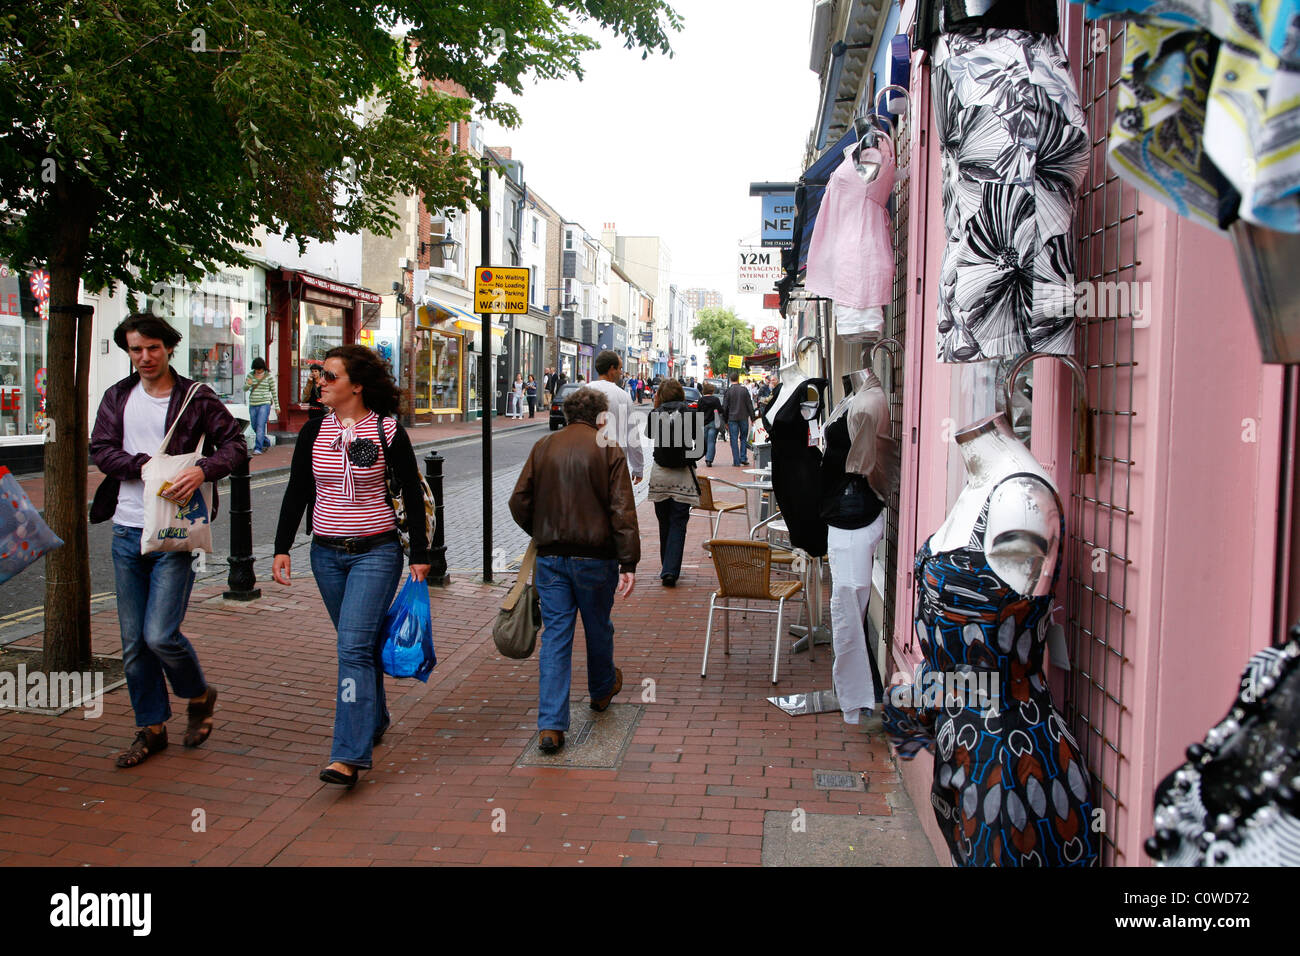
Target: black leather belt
pixel 358 545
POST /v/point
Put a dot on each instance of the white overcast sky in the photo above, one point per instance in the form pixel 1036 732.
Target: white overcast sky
pixel 668 147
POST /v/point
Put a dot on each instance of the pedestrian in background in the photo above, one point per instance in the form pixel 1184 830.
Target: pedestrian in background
pixel 574 496
pixel 550 385
pixel 530 390
pixel 356 554
pixel 262 396
pixel 311 393
pixel 153 590
pixel 673 487
pixel 711 407
pixel 618 427
pixel 738 409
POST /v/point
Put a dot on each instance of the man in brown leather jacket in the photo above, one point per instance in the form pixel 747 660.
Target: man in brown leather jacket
pixel 575 498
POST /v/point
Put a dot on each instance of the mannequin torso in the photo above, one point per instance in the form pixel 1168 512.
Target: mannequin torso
pixel 1022 540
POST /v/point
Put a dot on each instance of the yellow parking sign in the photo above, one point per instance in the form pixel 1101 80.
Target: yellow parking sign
pixel 500 290
pixel 735 361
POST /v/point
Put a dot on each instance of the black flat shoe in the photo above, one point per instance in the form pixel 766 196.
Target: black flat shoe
pixel 669 581
pixel 330 775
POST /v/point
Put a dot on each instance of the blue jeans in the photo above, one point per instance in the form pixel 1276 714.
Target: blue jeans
pixel 739 443
pixel 672 517
pixel 710 443
pixel 357 590
pixel 567 587
pixel 153 591
pixel 260 415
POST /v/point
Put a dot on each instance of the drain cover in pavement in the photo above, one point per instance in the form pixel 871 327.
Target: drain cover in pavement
pixel 837 780
pixel 814 702
pixel 593 741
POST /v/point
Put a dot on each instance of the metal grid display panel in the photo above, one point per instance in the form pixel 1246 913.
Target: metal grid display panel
pixel 896 328
pixel 1101 505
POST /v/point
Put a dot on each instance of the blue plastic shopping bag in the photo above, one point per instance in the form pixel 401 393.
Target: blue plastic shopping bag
pixel 24 537
pixel 408 633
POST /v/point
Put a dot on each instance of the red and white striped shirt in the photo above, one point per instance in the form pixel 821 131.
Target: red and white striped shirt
pixel 338 514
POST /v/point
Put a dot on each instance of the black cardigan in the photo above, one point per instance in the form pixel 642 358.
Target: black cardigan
pixel 301 492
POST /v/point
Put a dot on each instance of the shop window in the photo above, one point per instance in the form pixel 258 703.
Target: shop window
pixel 320 329
pixel 438 371
pixel 22 351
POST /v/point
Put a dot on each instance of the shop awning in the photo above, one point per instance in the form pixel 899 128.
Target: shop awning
pixel 434 311
pixel 763 360
pixel 814 182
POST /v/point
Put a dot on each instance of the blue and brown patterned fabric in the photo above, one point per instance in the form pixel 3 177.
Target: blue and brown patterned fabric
pixel 1010 785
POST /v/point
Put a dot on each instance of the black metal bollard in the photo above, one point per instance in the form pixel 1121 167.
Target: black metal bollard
pixel 438 546
pixel 242 578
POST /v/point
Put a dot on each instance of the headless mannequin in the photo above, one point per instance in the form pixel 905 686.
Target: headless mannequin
pixel 1022 540
pixel 851 548
pixel 791 375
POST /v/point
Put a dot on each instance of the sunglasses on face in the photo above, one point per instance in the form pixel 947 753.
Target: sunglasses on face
pixel 328 375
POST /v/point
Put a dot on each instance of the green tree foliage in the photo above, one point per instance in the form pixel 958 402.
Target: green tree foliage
pixel 147 139
pixel 713 327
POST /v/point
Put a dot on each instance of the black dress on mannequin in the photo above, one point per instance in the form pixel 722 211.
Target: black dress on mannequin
pixel 796 468
pixel 847 499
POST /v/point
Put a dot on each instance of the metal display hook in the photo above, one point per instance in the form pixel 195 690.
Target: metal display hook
pixel 1085 439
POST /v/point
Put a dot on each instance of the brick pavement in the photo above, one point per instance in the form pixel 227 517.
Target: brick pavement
pixel 709 758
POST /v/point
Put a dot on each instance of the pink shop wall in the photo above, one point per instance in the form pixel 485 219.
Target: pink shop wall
pixel 1162 645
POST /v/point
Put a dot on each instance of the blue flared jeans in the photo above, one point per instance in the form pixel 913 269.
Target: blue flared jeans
pixel 568 587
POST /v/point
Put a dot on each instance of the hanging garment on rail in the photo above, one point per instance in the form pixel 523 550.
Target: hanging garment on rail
pixel 1014 153
pixel 1207 113
pixel 851 253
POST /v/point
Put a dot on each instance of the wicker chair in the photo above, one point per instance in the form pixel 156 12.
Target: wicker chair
pixel 744 571
pixel 717 509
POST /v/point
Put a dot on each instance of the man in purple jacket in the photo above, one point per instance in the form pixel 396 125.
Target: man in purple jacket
pixel 153 590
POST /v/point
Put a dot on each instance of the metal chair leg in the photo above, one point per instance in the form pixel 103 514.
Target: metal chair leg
pixel 726 631
pixel 708 633
pixel 776 653
pixel 812 653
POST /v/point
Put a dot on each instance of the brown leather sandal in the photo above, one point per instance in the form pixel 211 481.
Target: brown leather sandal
pixel 199 727
pixel 145 745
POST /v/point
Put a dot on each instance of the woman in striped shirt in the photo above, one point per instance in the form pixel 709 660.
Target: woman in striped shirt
pixel 356 556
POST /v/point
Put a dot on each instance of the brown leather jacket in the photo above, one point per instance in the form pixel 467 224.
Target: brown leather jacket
pixel 575 498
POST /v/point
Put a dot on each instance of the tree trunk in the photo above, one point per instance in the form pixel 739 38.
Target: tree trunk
pixel 67 569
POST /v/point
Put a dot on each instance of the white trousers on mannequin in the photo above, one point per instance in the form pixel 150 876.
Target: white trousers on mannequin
pixel 851 554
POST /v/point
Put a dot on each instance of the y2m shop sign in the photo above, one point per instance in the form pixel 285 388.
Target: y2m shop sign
pixel 759 269
pixel 778 221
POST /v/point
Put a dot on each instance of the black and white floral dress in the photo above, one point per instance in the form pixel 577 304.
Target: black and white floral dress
pixel 1014 152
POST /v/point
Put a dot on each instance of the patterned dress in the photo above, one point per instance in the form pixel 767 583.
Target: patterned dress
pixel 1010 785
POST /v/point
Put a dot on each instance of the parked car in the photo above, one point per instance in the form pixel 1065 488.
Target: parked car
pixel 557 403
pixel 692 396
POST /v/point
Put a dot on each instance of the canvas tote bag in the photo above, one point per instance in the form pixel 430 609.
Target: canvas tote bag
pixel 167 525
pixel 520 618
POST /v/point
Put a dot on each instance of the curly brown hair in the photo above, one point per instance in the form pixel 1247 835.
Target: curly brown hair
pixel 585 405
pixel 379 393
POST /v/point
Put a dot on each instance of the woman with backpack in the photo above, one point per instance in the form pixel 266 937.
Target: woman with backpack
pixel 676 429
pixel 339 465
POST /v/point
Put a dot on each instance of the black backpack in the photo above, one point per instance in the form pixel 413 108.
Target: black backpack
pixel 677 435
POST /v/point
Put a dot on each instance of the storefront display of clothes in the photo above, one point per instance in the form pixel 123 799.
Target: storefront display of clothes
pixel 1206 116
pixel 851 253
pixel 1011 787
pixel 793 425
pixel 1014 154
pixel 856 475
pixel 1236 801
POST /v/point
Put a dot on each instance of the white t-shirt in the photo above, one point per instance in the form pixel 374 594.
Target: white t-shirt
pixel 144 426
pixel 623 416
